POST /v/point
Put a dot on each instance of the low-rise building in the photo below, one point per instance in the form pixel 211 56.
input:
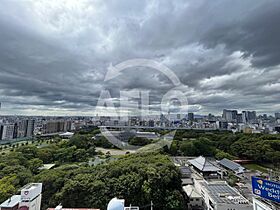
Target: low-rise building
pixel 11 204
pixel 66 135
pixel 233 166
pixel 185 172
pixel 120 135
pixel 262 204
pixel 218 195
pixel 205 167
pixel 29 199
pixel 194 199
pixel 148 135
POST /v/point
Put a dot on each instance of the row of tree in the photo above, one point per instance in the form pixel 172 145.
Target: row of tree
pixel 261 148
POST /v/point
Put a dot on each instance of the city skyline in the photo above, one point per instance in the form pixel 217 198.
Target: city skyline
pixel 55 54
pixel 219 113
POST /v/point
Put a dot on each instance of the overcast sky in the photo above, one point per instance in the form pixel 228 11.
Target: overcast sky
pixel 55 53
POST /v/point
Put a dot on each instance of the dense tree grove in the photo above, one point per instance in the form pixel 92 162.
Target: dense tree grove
pixel 19 166
pixel 139 178
pixel 262 148
pixel 139 141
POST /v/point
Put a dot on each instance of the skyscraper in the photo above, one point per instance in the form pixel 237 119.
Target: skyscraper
pixel 190 116
pixel 24 128
pixel 6 131
pixel 30 128
pixel 239 118
pixel 230 115
pixel 56 126
pixel 249 116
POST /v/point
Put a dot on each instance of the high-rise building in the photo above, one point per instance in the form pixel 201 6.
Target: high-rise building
pixel 277 115
pixel 151 123
pixel 7 131
pixel 222 124
pixel 249 116
pixel 24 128
pixel 230 115
pixel 21 128
pixel 56 126
pixel 15 134
pixel 67 125
pixel 30 128
pixel 190 116
pixel 239 118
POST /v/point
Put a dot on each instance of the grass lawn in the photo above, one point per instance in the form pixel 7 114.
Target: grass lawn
pixel 256 167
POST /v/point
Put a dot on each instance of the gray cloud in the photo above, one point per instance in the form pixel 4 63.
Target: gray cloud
pixel 54 54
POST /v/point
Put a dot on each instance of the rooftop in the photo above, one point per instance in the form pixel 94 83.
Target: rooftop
pixel 66 134
pixel 187 181
pixel 221 192
pixel 31 186
pixel 268 203
pixel 230 164
pixel 11 202
pixel 146 132
pixel 202 164
pixel 185 170
pixel 191 192
pixel 47 166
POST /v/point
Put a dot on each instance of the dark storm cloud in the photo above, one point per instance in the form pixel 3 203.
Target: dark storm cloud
pixel 54 54
pixel 256 33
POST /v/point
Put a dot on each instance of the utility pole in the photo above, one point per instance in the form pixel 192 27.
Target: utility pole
pixel 152 205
